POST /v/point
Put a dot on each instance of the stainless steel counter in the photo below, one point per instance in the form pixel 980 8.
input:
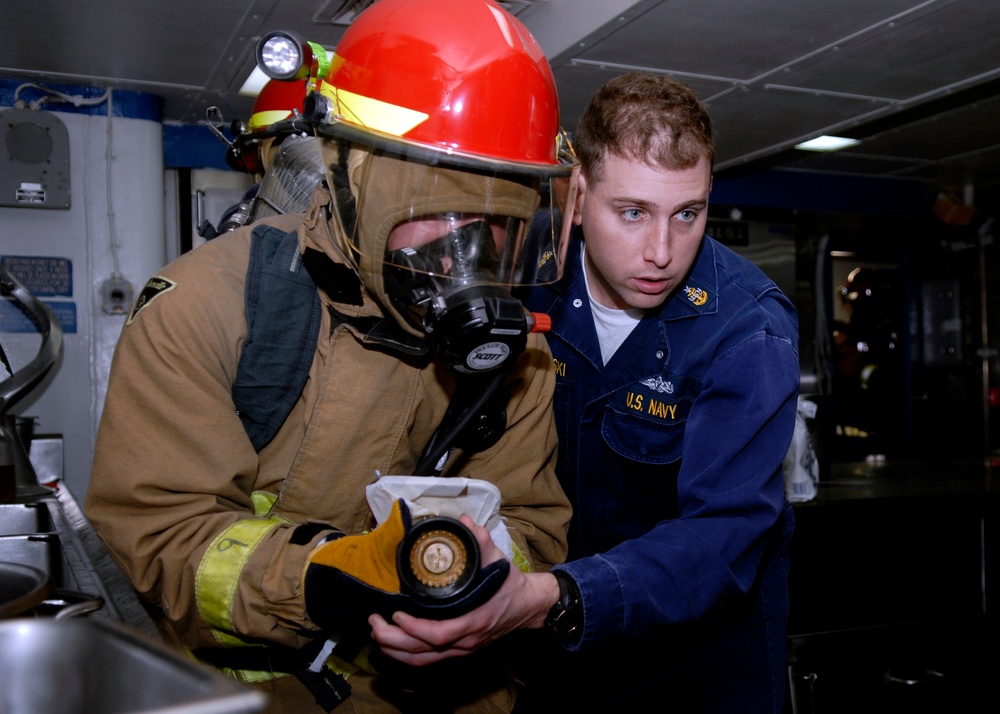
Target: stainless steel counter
pixel 47 530
pixel 88 567
pixel 111 659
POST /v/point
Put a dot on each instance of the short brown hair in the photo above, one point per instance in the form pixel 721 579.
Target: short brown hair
pixel 645 116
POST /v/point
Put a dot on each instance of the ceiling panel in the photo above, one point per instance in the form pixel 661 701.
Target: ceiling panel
pixel 752 123
pixel 922 54
pixel 943 136
pixel 172 44
pixel 914 79
pixel 858 163
pixel 732 39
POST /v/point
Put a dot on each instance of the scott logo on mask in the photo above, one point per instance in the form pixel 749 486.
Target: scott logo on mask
pixel 487 356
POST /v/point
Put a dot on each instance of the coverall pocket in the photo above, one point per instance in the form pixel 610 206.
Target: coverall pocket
pixel 641 439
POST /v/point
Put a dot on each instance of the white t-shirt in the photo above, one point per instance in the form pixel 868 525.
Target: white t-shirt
pixel 613 326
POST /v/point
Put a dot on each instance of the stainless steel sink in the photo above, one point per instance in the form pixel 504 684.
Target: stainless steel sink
pixel 101 667
pixel 40 550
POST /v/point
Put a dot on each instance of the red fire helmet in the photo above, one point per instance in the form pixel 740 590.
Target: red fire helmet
pixel 463 77
pixel 279 100
pixel 276 102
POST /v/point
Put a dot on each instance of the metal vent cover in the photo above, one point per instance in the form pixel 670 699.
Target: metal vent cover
pixel 34 160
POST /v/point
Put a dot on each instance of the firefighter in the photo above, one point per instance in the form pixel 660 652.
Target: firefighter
pixel 265 380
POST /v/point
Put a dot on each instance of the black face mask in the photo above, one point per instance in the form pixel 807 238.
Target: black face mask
pixel 472 319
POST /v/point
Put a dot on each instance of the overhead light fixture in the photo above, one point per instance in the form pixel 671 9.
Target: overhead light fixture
pixel 255 82
pixel 827 143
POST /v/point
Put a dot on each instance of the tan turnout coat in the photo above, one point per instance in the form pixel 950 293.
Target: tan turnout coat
pixel 174 467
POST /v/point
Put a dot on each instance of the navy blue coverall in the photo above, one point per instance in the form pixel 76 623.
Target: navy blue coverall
pixel 671 455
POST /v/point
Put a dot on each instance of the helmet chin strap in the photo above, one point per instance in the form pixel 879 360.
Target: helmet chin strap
pixel 347 205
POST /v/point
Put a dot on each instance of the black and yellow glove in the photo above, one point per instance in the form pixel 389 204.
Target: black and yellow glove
pixel 430 569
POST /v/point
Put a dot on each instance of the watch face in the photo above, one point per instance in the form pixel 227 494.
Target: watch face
pixel 569 621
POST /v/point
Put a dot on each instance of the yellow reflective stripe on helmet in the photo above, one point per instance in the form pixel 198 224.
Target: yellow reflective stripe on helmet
pixel 373 113
pixel 520 560
pixel 261 120
pixel 219 574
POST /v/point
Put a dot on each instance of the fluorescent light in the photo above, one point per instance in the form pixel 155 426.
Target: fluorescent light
pixel 255 82
pixel 827 143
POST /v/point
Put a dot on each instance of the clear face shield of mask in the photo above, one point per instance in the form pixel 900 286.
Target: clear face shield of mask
pixel 458 245
pixel 450 274
pixel 431 258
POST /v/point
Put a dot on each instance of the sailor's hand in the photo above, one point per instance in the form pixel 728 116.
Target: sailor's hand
pixel 429 569
pixel 522 602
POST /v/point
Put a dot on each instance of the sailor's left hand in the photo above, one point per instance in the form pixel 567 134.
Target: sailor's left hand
pixel 521 602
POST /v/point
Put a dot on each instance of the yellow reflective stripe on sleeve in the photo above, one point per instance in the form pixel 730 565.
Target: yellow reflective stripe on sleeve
pixel 520 560
pixel 219 574
pixel 249 676
pixel 263 502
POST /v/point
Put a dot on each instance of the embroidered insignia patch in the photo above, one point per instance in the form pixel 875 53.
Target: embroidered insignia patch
pixel 658 384
pixel 696 296
pixel 153 288
pixel 662 397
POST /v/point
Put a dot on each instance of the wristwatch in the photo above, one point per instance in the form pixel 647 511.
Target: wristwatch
pixel 565 619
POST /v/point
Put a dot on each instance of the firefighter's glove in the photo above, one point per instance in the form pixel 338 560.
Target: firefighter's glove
pixel 429 569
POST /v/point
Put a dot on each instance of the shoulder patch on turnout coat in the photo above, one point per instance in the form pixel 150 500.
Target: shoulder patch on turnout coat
pixel 153 288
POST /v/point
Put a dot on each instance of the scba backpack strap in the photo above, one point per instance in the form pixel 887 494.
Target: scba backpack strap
pixel 283 317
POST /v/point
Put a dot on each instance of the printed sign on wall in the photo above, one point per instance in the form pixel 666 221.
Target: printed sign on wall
pixel 42 276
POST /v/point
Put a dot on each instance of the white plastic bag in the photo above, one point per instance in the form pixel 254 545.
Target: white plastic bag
pixel 801 466
pixel 437 496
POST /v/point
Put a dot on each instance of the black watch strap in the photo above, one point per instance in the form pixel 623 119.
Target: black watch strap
pixel 565 619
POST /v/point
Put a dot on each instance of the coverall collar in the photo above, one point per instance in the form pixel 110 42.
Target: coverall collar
pixel 698 295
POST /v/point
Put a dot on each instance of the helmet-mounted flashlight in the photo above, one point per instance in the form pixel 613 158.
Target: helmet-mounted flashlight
pixel 280 55
pixel 286 56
